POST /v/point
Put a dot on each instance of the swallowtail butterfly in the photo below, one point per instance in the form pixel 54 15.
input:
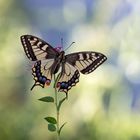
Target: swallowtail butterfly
pixel 49 60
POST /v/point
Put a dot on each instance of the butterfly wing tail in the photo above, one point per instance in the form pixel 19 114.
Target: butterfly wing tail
pixel 36 85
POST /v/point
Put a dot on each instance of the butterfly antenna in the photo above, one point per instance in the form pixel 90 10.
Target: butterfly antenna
pixel 62 43
pixel 69 46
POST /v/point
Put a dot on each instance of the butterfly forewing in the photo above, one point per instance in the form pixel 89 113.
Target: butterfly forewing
pixel 86 62
pixel 37 49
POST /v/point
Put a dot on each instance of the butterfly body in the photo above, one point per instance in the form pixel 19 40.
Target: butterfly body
pixel 58 62
pixel 48 61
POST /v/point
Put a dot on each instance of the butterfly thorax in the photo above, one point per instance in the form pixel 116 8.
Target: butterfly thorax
pixel 58 61
pixel 61 56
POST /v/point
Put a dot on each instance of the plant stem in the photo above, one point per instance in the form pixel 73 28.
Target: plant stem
pixel 57 110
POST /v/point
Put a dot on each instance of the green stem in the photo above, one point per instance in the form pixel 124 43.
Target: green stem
pixel 57 110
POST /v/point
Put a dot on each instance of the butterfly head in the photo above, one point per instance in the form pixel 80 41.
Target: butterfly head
pixel 59 48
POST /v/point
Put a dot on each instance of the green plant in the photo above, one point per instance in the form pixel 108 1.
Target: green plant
pixel 53 122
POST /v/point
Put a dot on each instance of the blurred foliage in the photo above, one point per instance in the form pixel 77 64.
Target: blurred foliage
pixel 105 105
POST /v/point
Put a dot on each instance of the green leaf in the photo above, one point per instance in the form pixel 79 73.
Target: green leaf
pixel 60 102
pixel 51 120
pixel 47 99
pixel 51 127
pixel 62 127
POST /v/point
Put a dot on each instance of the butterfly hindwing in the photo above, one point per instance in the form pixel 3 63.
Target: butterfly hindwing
pixel 69 77
pixel 39 78
pixel 86 62
pixel 37 49
pixel 41 72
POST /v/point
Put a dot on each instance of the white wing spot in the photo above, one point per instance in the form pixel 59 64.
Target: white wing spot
pixel 35 39
pixel 83 64
pixel 90 61
pixel 34 47
pixel 90 71
pixel 80 67
pixel 28 55
pixel 44 47
pixel 80 56
pixel 87 55
pixel 93 59
pixel 32 42
pixel 39 43
pixel 41 56
pixel 76 80
pixel 87 63
pixel 27 51
pixel 86 73
pixel 38 52
pixel 78 74
pixel 73 84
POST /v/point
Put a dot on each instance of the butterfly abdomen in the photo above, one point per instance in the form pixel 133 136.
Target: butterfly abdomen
pixel 56 68
pixel 57 64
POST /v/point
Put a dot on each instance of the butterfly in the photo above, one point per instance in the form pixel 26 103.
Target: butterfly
pixel 49 61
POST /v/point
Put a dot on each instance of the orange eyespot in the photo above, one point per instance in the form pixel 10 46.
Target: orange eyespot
pixel 58 85
pixel 48 82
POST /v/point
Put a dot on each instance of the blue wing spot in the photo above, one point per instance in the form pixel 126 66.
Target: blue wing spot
pixel 66 85
pixel 38 71
pixel 69 82
pixel 44 79
pixel 38 74
pixel 72 79
pixel 40 78
pixel 38 67
pixel 62 85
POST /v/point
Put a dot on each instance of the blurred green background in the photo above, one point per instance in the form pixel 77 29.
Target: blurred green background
pixel 105 105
